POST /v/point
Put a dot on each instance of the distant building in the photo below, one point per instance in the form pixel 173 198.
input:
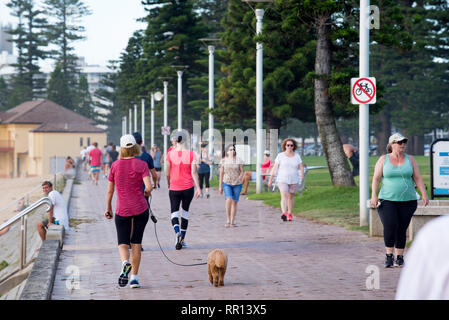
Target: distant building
pixel 5 44
pixel 37 136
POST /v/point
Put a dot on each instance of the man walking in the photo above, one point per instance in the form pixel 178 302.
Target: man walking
pixel 96 160
pixel 57 213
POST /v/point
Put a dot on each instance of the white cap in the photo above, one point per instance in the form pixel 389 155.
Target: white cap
pixel 396 138
pixel 266 152
pixel 127 141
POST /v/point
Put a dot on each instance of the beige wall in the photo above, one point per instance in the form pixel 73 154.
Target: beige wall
pixel 34 149
pixel 63 145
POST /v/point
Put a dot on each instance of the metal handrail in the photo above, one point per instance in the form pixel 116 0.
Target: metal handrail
pixel 23 216
pixel 26 195
pixel 27 210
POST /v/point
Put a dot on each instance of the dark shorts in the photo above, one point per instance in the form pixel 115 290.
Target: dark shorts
pixel 130 229
pixel 158 169
pixel 45 222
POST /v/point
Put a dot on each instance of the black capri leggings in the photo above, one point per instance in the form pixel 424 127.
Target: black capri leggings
pixel 396 216
pixel 181 198
pixel 127 225
pixel 205 176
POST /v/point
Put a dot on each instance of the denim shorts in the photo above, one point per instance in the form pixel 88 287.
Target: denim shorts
pixel 232 191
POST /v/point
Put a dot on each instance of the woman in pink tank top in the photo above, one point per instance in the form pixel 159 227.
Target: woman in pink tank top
pixel 182 179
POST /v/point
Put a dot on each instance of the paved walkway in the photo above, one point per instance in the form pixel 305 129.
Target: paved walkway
pixel 268 258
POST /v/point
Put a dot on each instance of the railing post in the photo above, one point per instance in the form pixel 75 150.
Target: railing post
pixel 22 242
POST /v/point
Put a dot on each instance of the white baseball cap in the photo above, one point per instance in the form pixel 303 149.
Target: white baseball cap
pixel 396 138
pixel 127 141
pixel 267 152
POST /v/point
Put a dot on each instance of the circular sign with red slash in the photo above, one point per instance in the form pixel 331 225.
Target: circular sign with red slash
pixel 363 90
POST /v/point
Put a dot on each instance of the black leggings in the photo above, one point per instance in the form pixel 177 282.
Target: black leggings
pixel 135 224
pixel 205 176
pixel 396 216
pixel 181 198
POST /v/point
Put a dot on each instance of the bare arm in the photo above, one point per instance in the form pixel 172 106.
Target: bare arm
pixel 167 173
pixel 148 186
pixel 154 175
pixel 418 181
pixel 195 178
pixel 109 195
pixel 377 177
pixel 273 172
pixel 220 184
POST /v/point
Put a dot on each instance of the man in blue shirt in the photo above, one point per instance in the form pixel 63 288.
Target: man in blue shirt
pixel 145 156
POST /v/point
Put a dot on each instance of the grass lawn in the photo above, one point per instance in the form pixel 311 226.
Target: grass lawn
pixel 321 202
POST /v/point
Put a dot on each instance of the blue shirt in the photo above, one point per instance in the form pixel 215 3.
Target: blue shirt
pixel 146 157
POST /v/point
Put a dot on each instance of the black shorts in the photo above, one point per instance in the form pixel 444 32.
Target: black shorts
pixel 45 222
pixel 158 169
pixel 130 229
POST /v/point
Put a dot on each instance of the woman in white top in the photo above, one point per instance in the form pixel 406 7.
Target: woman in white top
pixel 289 164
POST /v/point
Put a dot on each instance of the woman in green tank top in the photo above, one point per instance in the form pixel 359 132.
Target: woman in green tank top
pixel 397 199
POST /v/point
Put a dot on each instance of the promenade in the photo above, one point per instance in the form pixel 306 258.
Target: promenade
pixel 268 258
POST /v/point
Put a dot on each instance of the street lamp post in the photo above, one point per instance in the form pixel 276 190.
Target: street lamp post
pixel 135 117
pixel 259 102
pixel 259 94
pixel 180 71
pixel 165 121
pixel 364 114
pixel 130 121
pixel 211 99
pixel 152 120
pixel 143 121
pixel 179 99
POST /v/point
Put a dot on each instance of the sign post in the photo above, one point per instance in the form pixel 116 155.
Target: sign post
pixel 439 168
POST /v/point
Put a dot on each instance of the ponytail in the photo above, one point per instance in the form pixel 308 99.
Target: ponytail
pixel 389 148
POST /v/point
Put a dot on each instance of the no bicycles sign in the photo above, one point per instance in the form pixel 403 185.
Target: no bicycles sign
pixel 363 90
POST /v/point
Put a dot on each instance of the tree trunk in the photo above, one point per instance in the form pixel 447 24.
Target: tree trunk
pixel 332 147
pixel 384 132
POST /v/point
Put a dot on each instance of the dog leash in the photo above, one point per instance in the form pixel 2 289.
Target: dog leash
pixel 153 218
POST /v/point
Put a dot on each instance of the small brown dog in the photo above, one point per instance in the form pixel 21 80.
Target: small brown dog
pixel 217 262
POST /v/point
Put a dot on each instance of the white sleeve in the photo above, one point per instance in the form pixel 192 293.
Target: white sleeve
pixel 299 159
pixel 278 158
pixel 52 197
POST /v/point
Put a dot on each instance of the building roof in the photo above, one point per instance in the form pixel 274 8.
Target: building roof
pixel 51 116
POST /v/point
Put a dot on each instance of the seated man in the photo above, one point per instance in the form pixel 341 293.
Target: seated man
pixel 57 213
pixel 250 175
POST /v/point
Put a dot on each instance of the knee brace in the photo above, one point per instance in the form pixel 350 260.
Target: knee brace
pixel 175 218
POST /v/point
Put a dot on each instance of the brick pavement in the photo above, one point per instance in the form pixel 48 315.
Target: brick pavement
pixel 268 258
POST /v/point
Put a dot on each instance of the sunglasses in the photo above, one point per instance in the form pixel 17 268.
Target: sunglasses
pixel 401 142
pixel 230 149
pixel 289 145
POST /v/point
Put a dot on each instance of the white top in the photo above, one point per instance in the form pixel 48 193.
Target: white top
pixel 425 275
pixel 59 208
pixel 288 171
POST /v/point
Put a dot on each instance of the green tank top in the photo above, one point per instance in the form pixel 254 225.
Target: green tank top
pixel 397 181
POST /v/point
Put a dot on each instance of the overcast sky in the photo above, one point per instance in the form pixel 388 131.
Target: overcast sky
pixel 108 28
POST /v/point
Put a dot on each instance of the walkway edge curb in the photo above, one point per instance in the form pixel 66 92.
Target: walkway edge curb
pixel 39 285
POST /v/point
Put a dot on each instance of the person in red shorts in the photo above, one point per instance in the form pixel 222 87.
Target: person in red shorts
pixel 132 214
pixel 96 160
